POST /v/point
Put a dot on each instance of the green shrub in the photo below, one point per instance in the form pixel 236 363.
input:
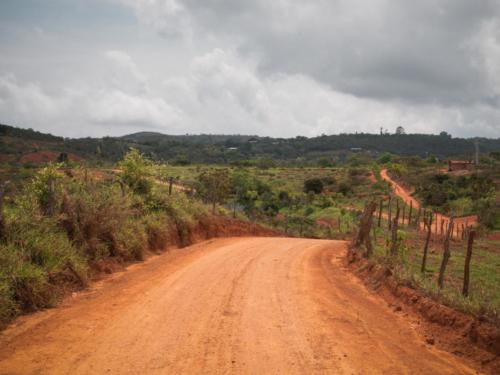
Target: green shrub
pixel 157 230
pixel 93 215
pixel 314 185
pixel 130 240
pixel 136 172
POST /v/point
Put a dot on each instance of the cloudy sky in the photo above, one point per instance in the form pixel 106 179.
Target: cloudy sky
pixel 279 68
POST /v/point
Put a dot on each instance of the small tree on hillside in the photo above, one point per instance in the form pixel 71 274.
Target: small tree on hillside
pixel 136 171
pixel 214 186
pixel 244 190
pixel 43 188
pixel 313 184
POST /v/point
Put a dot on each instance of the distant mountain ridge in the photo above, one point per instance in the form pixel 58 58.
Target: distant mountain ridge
pixel 220 148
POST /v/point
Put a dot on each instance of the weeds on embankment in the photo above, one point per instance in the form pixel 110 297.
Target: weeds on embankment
pixel 60 227
pixel 405 263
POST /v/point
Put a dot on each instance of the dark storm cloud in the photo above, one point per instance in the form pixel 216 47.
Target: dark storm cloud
pixel 418 51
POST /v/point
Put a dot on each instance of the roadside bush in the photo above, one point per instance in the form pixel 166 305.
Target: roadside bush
pixel 36 258
pixel 130 240
pixel 157 230
pixel 93 215
pixel 136 172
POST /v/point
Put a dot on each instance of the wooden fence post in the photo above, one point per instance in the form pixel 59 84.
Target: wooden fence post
pixel 446 254
pixel 428 224
pixel 389 212
pixel 409 214
pixel 419 213
pixel 470 242
pixel 394 236
pixel 170 183
pixel 397 207
pixel 363 236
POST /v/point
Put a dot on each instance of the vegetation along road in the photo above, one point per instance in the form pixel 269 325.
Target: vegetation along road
pixel 234 305
pixel 406 196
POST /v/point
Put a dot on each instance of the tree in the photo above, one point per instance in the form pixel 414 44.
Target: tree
pixel 214 186
pixel 384 158
pixel 444 135
pixel 136 172
pixel 313 184
pixel 243 190
pixel 400 130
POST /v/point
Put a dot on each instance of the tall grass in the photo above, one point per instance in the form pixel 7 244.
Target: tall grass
pixel 45 253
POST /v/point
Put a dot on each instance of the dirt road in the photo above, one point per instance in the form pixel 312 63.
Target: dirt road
pixel 439 219
pixel 226 306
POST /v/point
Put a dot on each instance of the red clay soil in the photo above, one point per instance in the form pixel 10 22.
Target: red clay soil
pixel 43 157
pixel 406 196
pixel 463 335
pixel 227 306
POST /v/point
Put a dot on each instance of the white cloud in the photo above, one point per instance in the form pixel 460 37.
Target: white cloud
pixel 129 69
pixel 168 17
pixel 280 68
pixel 485 53
pixel 122 103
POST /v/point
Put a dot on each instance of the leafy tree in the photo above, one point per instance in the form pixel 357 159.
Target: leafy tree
pixel 42 187
pixel 400 130
pixel 136 172
pixel 214 186
pixel 244 189
pixel 384 158
pixel 313 184
pixel 432 159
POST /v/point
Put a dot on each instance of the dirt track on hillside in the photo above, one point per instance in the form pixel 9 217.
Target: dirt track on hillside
pixel 438 218
pixel 226 306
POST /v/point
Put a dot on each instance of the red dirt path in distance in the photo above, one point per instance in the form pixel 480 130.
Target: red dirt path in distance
pixel 438 218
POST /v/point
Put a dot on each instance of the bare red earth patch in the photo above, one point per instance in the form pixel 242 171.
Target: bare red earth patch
pixel 43 157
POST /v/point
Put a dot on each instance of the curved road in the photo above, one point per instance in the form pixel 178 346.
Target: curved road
pixel 226 306
pixel 438 218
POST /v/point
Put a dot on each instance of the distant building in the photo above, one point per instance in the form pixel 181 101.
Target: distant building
pixel 460 165
pixel 253 140
pixel 232 148
pixel 356 149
